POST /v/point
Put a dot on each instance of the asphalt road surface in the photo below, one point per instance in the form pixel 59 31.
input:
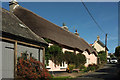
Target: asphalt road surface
pixel 108 72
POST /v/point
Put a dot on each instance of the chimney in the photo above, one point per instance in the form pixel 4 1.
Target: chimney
pixel 65 27
pixel 76 33
pixel 98 38
pixel 13 4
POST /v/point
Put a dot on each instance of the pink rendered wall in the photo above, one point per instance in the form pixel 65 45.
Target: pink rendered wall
pixel 92 58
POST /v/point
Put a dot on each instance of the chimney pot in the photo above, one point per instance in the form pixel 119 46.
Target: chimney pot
pixel 76 33
pixel 98 38
pixel 65 27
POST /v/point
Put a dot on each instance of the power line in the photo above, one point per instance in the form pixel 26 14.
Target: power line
pixel 97 23
pixel 92 17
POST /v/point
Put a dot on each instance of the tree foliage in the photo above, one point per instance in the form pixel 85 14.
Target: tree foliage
pixel 117 51
pixel 76 59
pixel 55 54
pixel 102 56
pixel 112 56
pixel 69 57
pixel 80 60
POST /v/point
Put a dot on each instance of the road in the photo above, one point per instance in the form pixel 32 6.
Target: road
pixel 108 72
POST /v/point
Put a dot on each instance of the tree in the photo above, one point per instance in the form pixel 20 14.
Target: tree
pixel 76 59
pixel 80 60
pixel 102 56
pixel 117 51
pixel 112 56
pixel 55 54
pixel 69 57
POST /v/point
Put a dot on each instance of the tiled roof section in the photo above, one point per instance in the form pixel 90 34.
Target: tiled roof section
pixel 46 29
pixel 102 44
pixel 11 24
pixel 91 44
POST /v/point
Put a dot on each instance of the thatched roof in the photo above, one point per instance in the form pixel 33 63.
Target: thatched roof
pixel 12 25
pixel 46 29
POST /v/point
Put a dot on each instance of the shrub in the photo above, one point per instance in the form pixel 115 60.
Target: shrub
pixel 82 67
pixel 31 69
pixel 96 66
pixel 71 67
pixel 85 69
pixel 102 56
pixel 92 67
pixel 72 58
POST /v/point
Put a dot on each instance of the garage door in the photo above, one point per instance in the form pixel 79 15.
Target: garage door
pixel 7 60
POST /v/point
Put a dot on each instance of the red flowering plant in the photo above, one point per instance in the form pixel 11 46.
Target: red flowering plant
pixel 31 69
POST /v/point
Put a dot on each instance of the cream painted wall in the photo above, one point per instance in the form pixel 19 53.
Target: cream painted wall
pixel 99 47
pixel 76 52
pixel 64 49
pixel 50 44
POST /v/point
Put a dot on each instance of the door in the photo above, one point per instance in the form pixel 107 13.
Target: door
pixel 7 60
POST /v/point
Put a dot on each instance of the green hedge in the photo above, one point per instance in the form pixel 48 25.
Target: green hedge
pixel 55 54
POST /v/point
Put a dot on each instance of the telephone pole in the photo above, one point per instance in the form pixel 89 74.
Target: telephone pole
pixel 106 45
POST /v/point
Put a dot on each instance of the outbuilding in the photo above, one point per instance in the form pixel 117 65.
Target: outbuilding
pixel 17 38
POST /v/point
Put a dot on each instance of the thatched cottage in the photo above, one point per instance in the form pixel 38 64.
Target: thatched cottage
pixel 58 35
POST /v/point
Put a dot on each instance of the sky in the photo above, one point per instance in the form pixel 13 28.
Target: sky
pixel 75 16
pixel 62 0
